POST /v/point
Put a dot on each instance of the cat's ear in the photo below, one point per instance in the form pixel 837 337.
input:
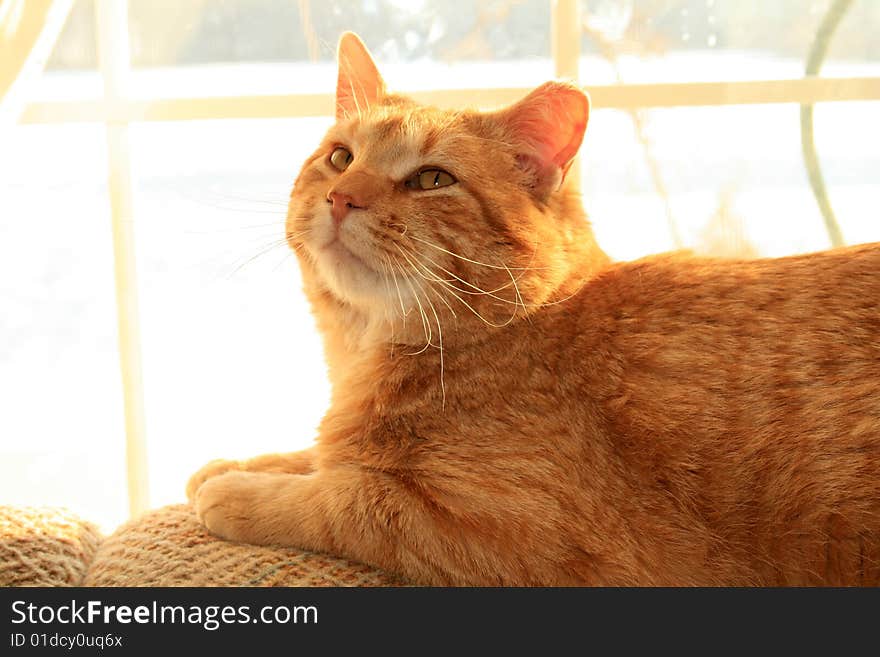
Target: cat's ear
pixel 359 84
pixel 548 127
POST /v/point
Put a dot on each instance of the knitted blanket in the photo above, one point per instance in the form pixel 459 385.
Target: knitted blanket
pixel 44 547
pixel 164 547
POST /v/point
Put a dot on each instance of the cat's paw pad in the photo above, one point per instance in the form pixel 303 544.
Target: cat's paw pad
pixel 212 469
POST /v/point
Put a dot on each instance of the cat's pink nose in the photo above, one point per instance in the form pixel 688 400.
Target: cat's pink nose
pixel 341 203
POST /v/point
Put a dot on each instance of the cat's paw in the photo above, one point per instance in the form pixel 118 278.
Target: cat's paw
pixel 230 505
pixel 212 469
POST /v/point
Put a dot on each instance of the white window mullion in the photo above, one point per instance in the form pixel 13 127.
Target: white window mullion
pixel 111 17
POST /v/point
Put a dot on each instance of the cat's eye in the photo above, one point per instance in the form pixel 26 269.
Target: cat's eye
pixel 430 179
pixel 340 158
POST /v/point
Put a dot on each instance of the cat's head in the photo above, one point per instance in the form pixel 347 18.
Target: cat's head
pixel 410 210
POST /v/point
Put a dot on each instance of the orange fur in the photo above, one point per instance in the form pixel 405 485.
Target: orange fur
pixel 669 421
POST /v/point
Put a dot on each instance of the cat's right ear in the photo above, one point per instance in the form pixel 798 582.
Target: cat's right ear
pixel 359 84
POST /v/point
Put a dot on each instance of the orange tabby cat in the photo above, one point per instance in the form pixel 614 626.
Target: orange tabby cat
pixel 510 407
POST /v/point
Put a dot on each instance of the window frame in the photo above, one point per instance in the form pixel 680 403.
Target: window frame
pixel 117 111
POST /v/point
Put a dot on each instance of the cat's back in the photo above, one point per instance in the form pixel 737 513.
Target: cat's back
pixel 711 345
pixel 824 304
pixel 748 393
pixel 778 288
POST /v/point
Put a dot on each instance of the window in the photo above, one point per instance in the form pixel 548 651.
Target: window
pixel 212 105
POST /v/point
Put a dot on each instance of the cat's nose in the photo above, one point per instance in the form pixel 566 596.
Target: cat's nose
pixel 341 204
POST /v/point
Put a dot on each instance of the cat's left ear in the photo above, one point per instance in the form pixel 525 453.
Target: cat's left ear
pixel 359 84
pixel 547 127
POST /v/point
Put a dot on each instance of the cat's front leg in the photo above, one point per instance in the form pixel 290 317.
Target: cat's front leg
pixel 349 511
pixel 311 510
pixel 301 462
pixel 427 529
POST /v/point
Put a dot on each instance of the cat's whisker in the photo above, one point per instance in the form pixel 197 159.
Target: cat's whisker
pixel 274 226
pixel 565 298
pixel 428 281
pixel 425 324
pixel 443 299
pixel 454 276
pixel 479 290
pixel 291 236
pixel 213 191
pixel 434 276
pixel 446 288
pixel 518 301
pixel 262 250
pixel 522 302
pixel 261 246
pixel 282 261
pixel 279 210
pixel 451 289
pixel 483 319
pixel 431 305
pixel 440 340
pixel 429 342
pixel 394 275
pixel 409 257
pixel 385 306
pixel 431 288
pixel 466 259
pixel 299 248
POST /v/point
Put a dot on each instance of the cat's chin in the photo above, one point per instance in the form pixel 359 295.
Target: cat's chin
pixel 343 257
pixel 348 275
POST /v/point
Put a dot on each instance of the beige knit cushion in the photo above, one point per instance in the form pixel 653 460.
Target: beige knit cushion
pixel 44 546
pixel 169 547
